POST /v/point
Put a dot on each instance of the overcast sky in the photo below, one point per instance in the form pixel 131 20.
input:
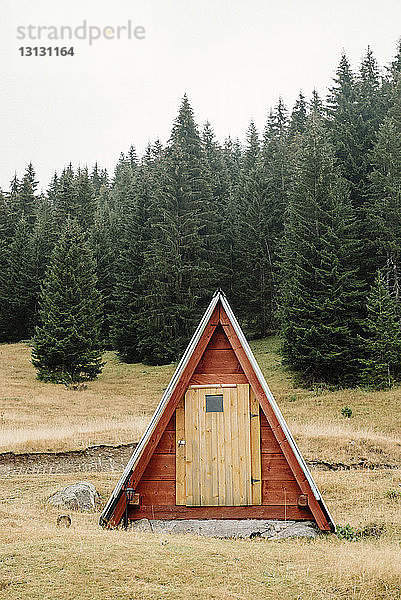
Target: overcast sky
pixel 234 58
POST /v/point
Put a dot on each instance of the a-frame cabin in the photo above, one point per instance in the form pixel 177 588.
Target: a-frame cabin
pixel 217 446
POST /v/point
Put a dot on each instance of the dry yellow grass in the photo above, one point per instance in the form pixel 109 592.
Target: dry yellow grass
pixel 36 416
pixel 40 562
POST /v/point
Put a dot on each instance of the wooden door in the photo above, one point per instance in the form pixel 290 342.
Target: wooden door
pixel 214 432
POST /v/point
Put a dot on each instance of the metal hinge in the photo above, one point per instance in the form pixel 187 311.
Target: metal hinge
pixel 253 480
pixel 181 442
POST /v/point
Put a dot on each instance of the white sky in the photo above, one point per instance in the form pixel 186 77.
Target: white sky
pixel 234 58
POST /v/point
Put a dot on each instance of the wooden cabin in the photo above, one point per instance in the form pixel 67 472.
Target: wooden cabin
pixel 217 446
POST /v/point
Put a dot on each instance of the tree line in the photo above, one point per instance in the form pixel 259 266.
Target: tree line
pixel 300 226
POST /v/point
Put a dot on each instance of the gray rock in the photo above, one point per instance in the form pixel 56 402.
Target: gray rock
pixel 142 526
pixel 81 496
pixel 230 528
pixel 297 530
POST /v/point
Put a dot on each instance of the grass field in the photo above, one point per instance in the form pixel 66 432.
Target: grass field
pixel 39 561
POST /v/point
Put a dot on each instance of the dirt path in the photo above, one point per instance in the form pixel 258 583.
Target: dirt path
pixel 114 458
pixel 95 458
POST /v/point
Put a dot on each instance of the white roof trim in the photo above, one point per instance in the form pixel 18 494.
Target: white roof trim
pixel 173 382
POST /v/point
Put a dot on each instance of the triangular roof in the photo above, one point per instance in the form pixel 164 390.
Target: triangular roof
pixel 218 312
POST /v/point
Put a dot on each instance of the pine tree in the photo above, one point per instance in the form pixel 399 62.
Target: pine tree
pixel 321 296
pixel 244 227
pixel 130 294
pixel 382 337
pixel 85 199
pixel 99 179
pixel 27 195
pixel 384 212
pixel 17 286
pixel 298 118
pixel 179 274
pixel 66 346
pixel 6 232
pixel 220 233
pixel 52 190
pixel 66 201
pixel 103 236
pixel 262 193
pixel 344 125
pixel 43 239
pixel 13 198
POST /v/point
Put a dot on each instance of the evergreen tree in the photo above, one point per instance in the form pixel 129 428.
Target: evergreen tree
pixel 384 210
pixel 99 179
pixel 130 294
pixel 17 286
pixel 219 233
pixel 103 236
pixel 263 193
pixel 52 190
pixel 67 340
pixel 6 231
pixel 27 195
pixel 13 198
pixel 321 295
pixel 179 274
pixel 66 201
pixel 43 239
pixel 248 193
pixel 85 198
pixel 298 118
pixel 383 337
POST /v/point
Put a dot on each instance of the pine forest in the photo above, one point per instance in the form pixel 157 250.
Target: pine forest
pixel 298 224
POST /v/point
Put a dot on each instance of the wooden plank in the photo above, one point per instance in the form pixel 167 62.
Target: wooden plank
pixel 160 467
pixel 256 468
pixel 220 512
pixel 235 440
pixel 180 453
pixel 214 452
pixel 220 441
pixel 244 444
pixel 268 443
pixel 166 444
pixel 219 340
pixel 157 492
pixel 227 446
pixel 285 493
pixel 204 488
pixel 212 379
pixel 189 446
pixel 171 424
pixel 220 361
pixel 275 466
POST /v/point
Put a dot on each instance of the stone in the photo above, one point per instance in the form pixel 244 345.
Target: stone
pixel 298 529
pixel 142 526
pixel 230 528
pixel 81 496
pixel 64 521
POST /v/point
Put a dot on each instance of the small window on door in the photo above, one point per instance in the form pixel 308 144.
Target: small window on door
pixel 214 403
